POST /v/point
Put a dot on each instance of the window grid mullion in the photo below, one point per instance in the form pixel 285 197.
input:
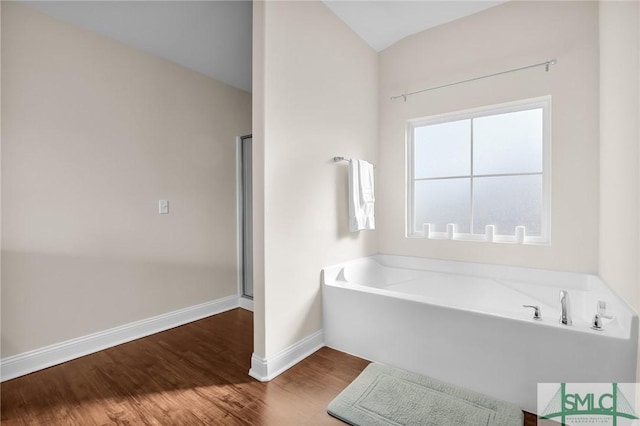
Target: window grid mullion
pixel 471 183
pixel 416 226
pixel 482 176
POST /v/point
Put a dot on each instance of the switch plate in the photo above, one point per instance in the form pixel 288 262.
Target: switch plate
pixel 163 206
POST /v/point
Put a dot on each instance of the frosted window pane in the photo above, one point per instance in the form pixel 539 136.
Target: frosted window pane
pixel 443 201
pixel 442 149
pixel 508 143
pixel 507 202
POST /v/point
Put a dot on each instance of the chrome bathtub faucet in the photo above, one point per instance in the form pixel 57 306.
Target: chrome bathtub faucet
pixel 536 311
pixel 565 308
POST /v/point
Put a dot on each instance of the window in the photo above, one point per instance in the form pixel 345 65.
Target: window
pixel 482 174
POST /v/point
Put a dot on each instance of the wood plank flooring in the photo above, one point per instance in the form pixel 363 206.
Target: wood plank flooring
pixel 191 375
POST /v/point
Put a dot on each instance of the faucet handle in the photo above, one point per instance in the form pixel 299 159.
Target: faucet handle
pixel 536 311
pixel 602 308
pixel 596 323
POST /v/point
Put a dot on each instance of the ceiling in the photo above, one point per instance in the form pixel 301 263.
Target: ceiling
pixel 211 37
pixel 215 37
pixel 383 23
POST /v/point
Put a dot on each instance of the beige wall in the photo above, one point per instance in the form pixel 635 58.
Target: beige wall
pixel 94 133
pixel 620 149
pixel 318 94
pixel 504 37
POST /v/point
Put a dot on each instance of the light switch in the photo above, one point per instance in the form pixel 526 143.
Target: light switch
pixel 163 206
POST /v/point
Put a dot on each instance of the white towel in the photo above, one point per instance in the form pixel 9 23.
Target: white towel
pixel 361 196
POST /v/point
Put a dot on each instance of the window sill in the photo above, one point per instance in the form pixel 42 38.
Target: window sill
pixel 500 239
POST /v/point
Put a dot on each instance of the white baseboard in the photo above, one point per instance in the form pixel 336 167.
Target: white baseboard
pixel 246 303
pixel 38 359
pixel 265 369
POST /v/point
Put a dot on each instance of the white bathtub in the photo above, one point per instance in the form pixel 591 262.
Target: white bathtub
pixel 464 323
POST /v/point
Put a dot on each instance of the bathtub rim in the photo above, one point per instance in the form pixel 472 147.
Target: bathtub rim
pixel 590 281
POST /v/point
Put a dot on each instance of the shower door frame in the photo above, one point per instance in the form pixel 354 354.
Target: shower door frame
pixel 245 218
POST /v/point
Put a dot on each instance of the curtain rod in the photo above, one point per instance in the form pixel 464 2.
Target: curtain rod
pixel 546 65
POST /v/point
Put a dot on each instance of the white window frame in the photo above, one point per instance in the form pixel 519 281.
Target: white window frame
pixel 522 105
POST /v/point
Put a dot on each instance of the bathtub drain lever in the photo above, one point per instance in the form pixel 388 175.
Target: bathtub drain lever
pixel 536 311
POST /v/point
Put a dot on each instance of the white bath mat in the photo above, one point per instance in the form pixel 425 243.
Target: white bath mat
pixel 382 396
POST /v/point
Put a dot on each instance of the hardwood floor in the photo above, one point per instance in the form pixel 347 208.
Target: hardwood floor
pixel 191 375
